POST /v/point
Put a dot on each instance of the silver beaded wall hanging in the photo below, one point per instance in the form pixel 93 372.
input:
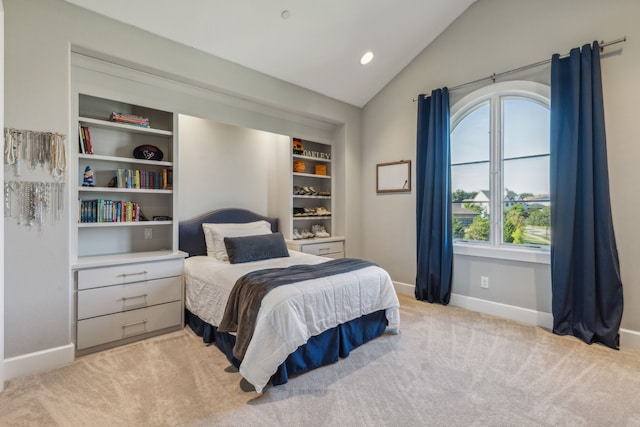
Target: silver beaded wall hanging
pixel 28 201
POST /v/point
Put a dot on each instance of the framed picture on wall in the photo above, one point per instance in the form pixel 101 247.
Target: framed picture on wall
pixel 393 177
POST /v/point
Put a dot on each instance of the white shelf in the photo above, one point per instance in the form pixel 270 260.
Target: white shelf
pixel 122 190
pixel 300 196
pixel 105 124
pixel 315 159
pixel 311 218
pixel 99 157
pixel 311 175
pixel 122 224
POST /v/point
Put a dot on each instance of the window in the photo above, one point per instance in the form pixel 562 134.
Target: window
pixel 500 166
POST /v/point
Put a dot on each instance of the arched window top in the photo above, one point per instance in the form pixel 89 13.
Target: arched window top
pixel 536 91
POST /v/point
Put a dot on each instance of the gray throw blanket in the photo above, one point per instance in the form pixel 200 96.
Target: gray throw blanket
pixel 246 296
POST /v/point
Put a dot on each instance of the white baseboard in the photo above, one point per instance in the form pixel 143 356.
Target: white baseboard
pixel 628 338
pixel 38 361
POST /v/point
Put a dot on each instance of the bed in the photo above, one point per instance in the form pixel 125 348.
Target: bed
pixel 299 326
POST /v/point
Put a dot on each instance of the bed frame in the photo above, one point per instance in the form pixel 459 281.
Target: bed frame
pixel 323 349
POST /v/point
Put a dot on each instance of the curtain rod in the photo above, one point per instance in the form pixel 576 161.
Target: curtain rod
pixel 494 76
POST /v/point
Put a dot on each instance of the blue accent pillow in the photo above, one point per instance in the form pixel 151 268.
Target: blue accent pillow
pixel 255 248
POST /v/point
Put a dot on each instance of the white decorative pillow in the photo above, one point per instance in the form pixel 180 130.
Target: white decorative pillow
pixel 214 235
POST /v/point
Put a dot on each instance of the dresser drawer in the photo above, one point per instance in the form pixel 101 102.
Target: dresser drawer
pixel 128 273
pixel 323 248
pixel 113 299
pixel 114 327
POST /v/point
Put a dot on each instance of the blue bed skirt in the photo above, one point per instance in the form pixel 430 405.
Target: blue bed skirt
pixel 319 350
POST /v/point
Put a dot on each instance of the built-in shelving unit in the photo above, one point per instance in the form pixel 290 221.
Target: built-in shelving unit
pixel 311 195
pixel 112 150
pixel 127 268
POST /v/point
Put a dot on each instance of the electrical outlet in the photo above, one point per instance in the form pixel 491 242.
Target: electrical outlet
pixel 484 282
pixel 148 233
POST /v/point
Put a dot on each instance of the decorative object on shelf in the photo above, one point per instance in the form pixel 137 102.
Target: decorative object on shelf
pixel 87 177
pixel 299 166
pixel 321 169
pixel 317 155
pixel 31 202
pixel 148 152
pixel 298 148
pixel 129 119
pixel 393 177
pixel 44 149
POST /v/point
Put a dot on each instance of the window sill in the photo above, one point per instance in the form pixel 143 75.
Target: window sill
pixel 538 256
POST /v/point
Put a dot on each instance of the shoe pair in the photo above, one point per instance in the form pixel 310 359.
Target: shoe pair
pixel 310 191
pixel 306 234
pixel 296 234
pixel 319 231
pixel 322 211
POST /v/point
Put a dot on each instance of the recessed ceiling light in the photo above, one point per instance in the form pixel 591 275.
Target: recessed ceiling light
pixel 285 14
pixel 366 58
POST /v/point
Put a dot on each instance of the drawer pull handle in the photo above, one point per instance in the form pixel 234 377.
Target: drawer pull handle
pixel 324 249
pixel 124 299
pixel 134 324
pixel 132 274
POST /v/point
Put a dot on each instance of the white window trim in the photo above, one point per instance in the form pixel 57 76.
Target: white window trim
pixel 494 248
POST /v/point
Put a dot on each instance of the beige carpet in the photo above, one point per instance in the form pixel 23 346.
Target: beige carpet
pixel 448 367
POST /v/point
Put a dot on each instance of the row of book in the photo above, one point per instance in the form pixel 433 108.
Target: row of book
pixel 140 179
pixel 100 210
pixel 130 119
pixel 84 134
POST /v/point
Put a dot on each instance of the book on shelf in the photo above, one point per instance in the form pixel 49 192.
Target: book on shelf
pixel 100 210
pixel 144 180
pixel 81 146
pixel 130 119
pixel 85 140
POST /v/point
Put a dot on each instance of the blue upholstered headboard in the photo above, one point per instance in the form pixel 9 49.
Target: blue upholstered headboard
pixel 191 236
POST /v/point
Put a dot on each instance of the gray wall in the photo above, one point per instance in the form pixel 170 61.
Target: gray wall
pixel 494 36
pixel 227 166
pixel 39 35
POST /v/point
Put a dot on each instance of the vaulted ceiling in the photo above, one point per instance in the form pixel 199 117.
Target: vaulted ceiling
pixel 313 44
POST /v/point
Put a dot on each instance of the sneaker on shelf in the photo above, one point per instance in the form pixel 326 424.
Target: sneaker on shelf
pixel 322 211
pixel 306 234
pixel 321 231
pixel 296 234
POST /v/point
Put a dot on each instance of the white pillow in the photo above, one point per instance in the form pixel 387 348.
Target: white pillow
pixel 214 235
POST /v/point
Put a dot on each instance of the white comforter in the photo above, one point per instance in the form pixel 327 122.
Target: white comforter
pixel 289 314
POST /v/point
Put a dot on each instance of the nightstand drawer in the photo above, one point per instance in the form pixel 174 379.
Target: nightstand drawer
pixel 114 327
pixel 113 299
pixel 324 248
pixel 128 273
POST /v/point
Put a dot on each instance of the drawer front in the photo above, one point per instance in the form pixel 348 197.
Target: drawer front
pixel 323 249
pixel 335 255
pixel 130 296
pixel 128 273
pixel 114 327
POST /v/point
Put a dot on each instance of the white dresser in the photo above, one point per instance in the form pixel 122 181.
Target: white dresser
pixel 121 302
pixel 330 247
